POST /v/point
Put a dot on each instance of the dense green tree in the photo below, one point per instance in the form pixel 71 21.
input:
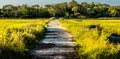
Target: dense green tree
pixel 1 13
pixel 72 4
pixel 113 11
pixel 75 10
pixel 9 11
pixel 70 9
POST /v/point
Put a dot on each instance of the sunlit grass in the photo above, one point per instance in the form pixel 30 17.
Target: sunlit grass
pixel 91 44
pixel 18 36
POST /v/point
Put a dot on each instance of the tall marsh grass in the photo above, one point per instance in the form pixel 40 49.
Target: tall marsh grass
pixel 18 36
pixel 92 45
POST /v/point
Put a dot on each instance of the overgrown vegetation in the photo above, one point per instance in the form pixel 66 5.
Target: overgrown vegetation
pixel 18 36
pixel 92 37
pixel 72 9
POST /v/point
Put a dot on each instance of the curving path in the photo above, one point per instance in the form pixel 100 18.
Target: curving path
pixel 57 44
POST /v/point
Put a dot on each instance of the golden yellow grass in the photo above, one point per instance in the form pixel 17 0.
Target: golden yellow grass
pixel 17 36
pixel 91 45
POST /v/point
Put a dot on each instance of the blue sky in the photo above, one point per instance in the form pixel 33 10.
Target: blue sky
pixel 43 2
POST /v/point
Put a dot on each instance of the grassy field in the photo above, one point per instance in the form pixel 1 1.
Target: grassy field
pixel 92 37
pixel 17 36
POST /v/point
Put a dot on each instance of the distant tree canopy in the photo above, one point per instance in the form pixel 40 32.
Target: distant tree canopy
pixel 68 10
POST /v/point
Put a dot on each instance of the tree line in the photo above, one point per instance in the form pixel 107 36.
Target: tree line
pixel 72 9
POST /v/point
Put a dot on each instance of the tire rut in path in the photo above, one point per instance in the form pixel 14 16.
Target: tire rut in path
pixel 57 44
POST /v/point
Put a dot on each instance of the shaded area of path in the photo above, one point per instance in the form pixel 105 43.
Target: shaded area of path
pixel 57 44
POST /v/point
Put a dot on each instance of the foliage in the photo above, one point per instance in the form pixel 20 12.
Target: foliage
pixel 73 9
pixel 18 36
pixel 91 43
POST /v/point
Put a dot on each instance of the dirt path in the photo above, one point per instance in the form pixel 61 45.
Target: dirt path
pixel 57 44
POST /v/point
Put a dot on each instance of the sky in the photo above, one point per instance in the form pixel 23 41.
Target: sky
pixel 44 2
